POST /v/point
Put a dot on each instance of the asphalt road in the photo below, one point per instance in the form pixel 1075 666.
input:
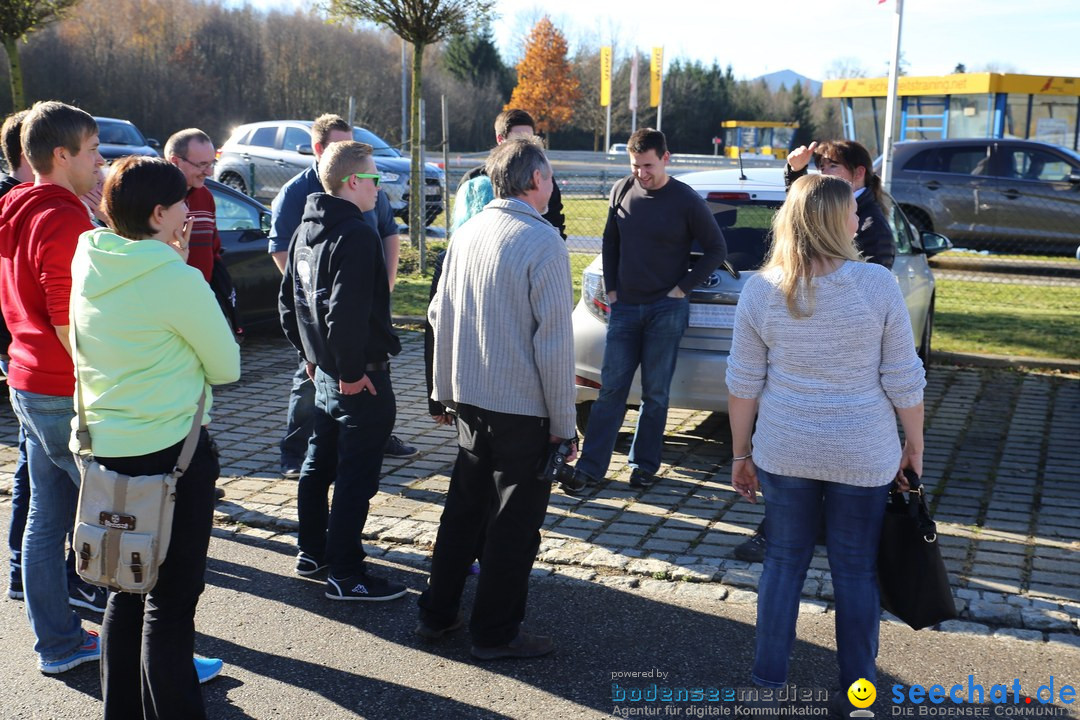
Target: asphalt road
pixel 290 653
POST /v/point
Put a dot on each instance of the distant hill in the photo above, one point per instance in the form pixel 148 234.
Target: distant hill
pixel 788 78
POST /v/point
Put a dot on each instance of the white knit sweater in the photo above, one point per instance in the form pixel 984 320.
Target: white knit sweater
pixel 827 383
pixel 501 315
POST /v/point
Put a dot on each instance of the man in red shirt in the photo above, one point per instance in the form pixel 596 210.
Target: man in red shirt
pixel 39 227
pixel 192 151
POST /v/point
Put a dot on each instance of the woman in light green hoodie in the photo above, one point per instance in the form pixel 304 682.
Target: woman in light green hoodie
pixel 150 338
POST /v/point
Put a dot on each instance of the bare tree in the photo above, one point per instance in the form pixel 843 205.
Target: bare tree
pixel 419 23
pixel 19 18
pixel 845 67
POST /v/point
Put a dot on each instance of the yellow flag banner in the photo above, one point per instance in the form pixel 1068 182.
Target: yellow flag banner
pixel 656 76
pixel 605 76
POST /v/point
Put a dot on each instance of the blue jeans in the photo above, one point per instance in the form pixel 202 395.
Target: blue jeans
pixel 300 419
pixel 646 335
pixel 853 517
pixel 346 451
pixel 54 493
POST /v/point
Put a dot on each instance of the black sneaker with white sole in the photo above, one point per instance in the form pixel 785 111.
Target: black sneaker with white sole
pixel 89 597
pixel 363 588
pixel 308 565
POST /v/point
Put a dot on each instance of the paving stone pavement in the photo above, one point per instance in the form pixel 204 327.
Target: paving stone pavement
pixel 1002 465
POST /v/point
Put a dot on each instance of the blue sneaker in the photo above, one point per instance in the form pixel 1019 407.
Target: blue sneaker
pixel 89 651
pixel 208 668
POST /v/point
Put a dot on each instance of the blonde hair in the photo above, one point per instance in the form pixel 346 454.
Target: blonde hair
pixel 811 225
pixel 340 160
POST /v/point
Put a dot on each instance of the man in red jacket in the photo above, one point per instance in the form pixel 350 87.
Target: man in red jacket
pixel 39 228
pixel 193 152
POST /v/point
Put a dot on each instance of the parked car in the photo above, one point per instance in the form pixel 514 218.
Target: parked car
pixel 258 158
pixel 617 149
pixel 744 209
pixel 988 193
pixel 120 138
pixel 243 224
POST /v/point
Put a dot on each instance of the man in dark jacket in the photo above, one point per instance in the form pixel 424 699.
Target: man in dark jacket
pixel 518 123
pixel 335 310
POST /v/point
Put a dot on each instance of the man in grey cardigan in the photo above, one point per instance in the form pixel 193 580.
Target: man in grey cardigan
pixel 504 358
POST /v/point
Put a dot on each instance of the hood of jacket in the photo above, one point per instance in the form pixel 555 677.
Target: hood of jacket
pixel 324 216
pixel 112 261
pixel 23 203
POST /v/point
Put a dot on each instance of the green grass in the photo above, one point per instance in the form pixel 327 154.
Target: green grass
pixel 997 319
pixel 971 317
pixel 411 290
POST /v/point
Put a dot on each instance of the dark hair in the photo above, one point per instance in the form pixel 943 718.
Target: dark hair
pixel 178 142
pixel 511 166
pixel 9 137
pixel 324 125
pixel 508 119
pixel 851 155
pixel 135 186
pixel 49 125
pixel 647 139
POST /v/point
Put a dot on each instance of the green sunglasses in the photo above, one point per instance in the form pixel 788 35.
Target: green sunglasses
pixel 374 177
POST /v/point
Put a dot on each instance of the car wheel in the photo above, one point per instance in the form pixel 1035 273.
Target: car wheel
pixel 234 181
pixel 584 409
pixel 927 334
pixel 918 218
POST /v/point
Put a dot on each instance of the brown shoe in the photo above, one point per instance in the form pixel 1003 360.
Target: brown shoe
pixel 525 645
pixel 430 632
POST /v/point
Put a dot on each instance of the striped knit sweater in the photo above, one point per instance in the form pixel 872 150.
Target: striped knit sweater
pixel 827 383
pixel 501 316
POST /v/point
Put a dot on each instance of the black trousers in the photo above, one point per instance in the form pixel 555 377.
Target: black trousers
pixel 495 496
pixel 147 641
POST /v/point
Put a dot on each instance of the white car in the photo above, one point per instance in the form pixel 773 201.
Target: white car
pixel 743 207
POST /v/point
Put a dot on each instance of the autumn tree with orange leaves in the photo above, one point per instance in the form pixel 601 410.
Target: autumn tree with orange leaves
pixel 547 87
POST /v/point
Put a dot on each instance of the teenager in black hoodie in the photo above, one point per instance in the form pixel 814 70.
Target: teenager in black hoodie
pixel 335 310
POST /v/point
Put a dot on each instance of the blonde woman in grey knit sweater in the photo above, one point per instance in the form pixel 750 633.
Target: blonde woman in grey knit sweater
pixel 823 356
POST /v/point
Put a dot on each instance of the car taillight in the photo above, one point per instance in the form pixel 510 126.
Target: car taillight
pixel 217 154
pixel 727 196
pixel 594 295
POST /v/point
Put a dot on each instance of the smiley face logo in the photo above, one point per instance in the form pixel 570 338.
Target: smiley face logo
pixel 862 693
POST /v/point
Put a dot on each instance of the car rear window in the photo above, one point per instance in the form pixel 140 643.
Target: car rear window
pixel 747 228
pixel 263 137
pixel 115 133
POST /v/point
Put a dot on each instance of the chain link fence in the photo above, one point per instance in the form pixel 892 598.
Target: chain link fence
pixel 1002 290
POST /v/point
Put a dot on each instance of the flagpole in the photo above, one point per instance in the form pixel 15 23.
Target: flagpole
pixel 890 102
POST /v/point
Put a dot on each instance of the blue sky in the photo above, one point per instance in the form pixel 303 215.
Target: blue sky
pixel 1037 37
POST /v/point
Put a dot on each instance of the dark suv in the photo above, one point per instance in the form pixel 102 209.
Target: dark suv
pixel 988 193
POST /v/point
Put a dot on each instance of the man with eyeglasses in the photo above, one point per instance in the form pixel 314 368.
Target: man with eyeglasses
pixel 335 310
pixel 192 151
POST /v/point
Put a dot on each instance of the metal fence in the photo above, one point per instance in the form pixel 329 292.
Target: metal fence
pixel 1001 290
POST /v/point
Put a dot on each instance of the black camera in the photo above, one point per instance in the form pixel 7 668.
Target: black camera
pixel 556 470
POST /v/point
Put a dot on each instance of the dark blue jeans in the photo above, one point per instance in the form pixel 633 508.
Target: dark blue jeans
pixel 646 335
pixel 496 499
pixel 853 517
pixel 147 640
pixel 346 450
pixel 300 419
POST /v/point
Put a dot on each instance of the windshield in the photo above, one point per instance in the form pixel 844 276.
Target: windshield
pixel 382 149
pixel 118 133
pixel 747 230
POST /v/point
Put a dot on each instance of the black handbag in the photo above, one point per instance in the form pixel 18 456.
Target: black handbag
pixel 911 575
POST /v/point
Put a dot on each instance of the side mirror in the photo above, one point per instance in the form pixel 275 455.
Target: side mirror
pixel 153 142
pixel 264 223
pixel 305 150
pixel 934 243
pixel 1074 177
